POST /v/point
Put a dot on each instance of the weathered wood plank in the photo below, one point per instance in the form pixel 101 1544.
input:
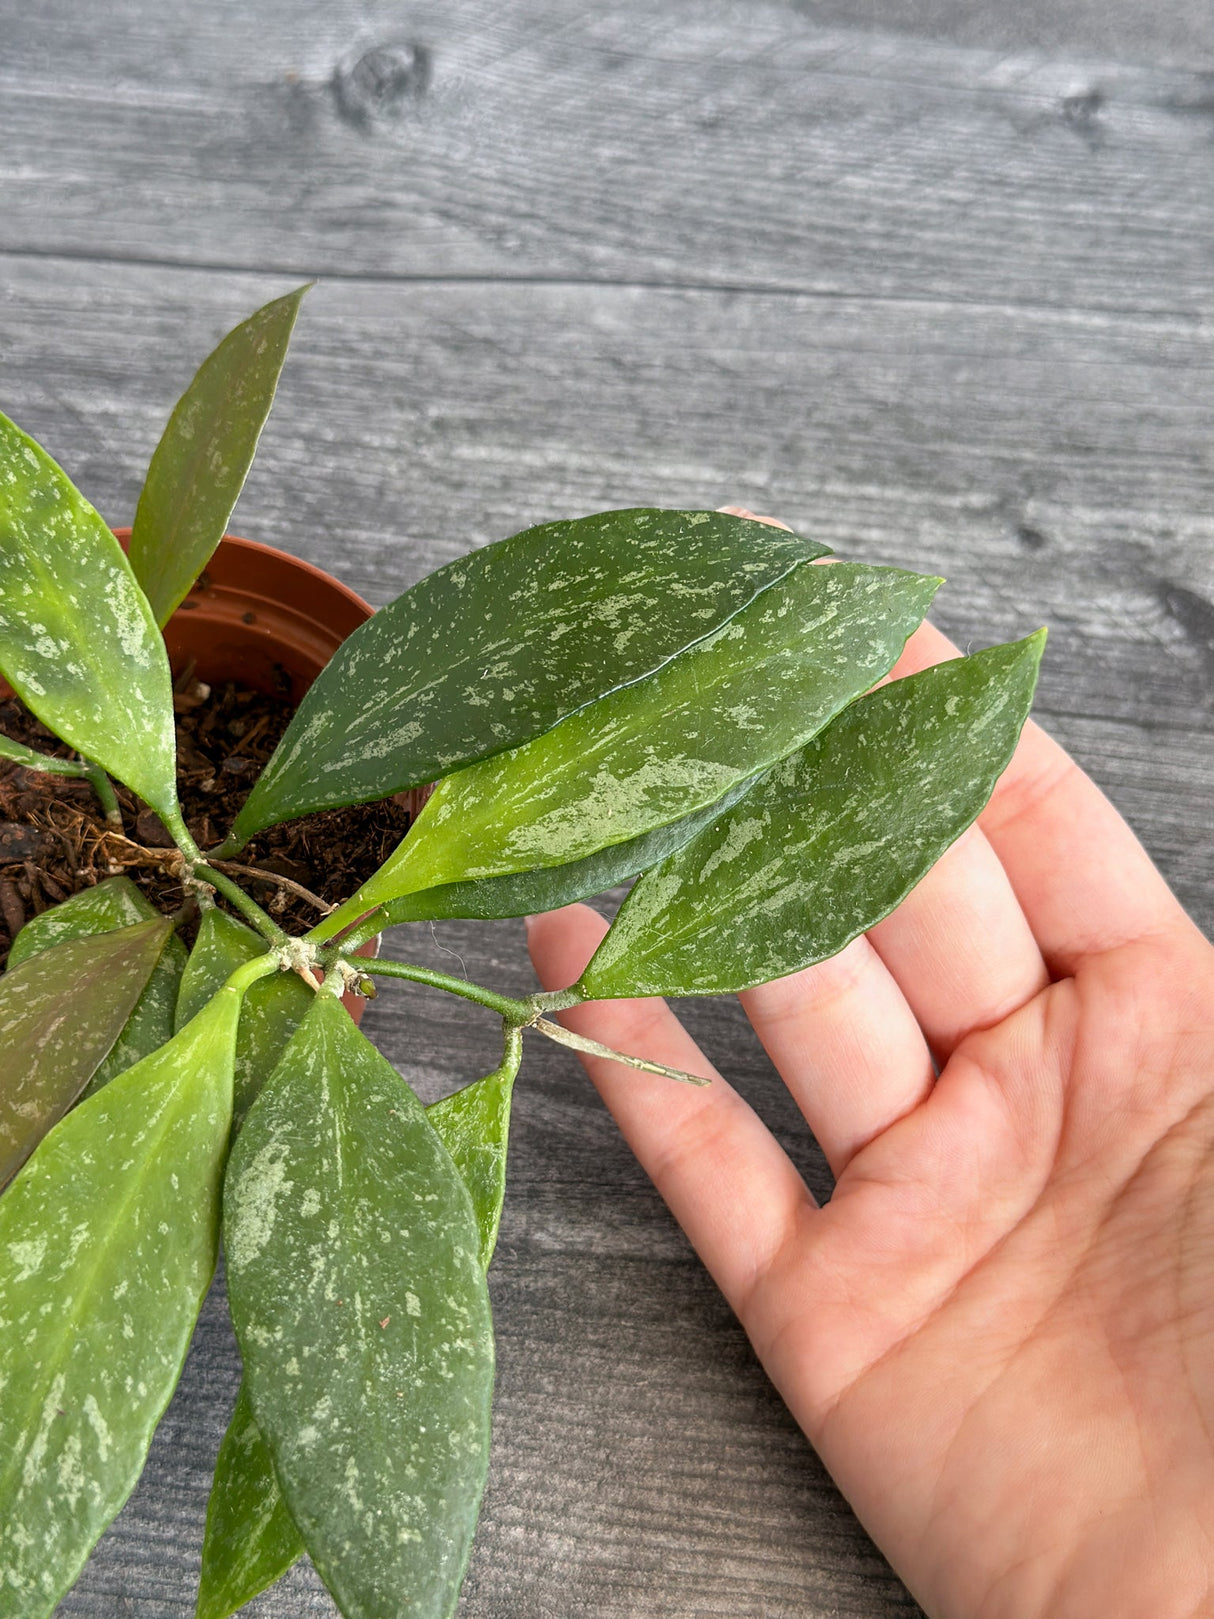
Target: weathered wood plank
pixel 686 143
pixel 979 344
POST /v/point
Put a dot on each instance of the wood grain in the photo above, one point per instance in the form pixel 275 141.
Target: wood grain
pixel 933 282
pixel 690 144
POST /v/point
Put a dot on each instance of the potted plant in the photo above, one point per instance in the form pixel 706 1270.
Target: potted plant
pixel 680 697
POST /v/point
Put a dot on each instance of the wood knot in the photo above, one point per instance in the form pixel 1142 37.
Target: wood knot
pixel 381 84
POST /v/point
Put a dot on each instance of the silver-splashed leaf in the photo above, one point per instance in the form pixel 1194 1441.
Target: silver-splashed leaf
pixel 107 1247
pixel 363 1321
pixel 200 464
pixel 114 903
pixel 830 841
pixel 498 646
pixel 663 748
pixel 78 640
pixel 60 1014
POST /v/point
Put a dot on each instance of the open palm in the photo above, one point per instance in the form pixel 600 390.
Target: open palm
pixel 999 1333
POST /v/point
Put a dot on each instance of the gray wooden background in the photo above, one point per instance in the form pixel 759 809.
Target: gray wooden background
pixel 931 279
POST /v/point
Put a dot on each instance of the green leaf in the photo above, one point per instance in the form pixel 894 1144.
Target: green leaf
pixel 251 1539
pixel 527 893
pixel 830 841
pixel 78 642
pixel 60 1013
pixel 499 646
pixel 473 1124
pixel 114 903
pixel 273 1009
pixel 107 1247
pixel 363 1320
pixel 663 748
pixel 199 467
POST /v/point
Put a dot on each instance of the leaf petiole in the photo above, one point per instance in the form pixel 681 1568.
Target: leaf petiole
pixel 514 1012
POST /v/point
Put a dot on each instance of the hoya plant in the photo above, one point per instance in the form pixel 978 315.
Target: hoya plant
pixel 679 697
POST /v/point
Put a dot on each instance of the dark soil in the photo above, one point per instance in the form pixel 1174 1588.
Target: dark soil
pixel 54 840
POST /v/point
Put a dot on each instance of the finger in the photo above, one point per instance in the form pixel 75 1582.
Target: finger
pixel 960 947
pixel 727 1181
pixel 1082 879
pixel 847 1045
pixel 743 511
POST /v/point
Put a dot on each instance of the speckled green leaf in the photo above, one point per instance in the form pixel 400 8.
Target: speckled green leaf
pixel 251 1539
pixel 830 841
pixel 474 1125
pixel 107 1246
pixel 273 1008
pixel 527 893
pixel 363 1321
pixel 78 641
pixel 666 747
pixel 114 903
pixel 205 452
pixel 60 1013
pixel 497 647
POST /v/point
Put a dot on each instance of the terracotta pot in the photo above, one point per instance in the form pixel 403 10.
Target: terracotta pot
pixel 261 617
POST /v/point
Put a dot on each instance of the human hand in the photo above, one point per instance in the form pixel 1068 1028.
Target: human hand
pixel 999 1332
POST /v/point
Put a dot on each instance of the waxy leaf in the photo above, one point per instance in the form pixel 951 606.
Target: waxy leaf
pixel 273 1008
pixel 473 1124
pixel 363 1321
pixel 251 1539
pixel 830 841
pixel 114 903
pixel 527 893
pixel 78 641
pixel 60 1014
pixel 199 467
pixel 107 1247
pixel 667 747
pixel 497 647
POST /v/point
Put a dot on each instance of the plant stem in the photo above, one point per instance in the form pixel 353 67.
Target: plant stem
pixel 512 1053
pixel 235 895
pixel 199 869
pixel 104 788
pixel 515 1012
pixel 272 877
pixel 249 972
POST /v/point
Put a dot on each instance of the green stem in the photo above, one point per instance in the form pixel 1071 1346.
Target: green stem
pixel 516 1012
pixel 106 796
pixel 225 850
pixel 248 908
pixel 202 872
pixel 249 972
pixel 512 1053
pixel 18 754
